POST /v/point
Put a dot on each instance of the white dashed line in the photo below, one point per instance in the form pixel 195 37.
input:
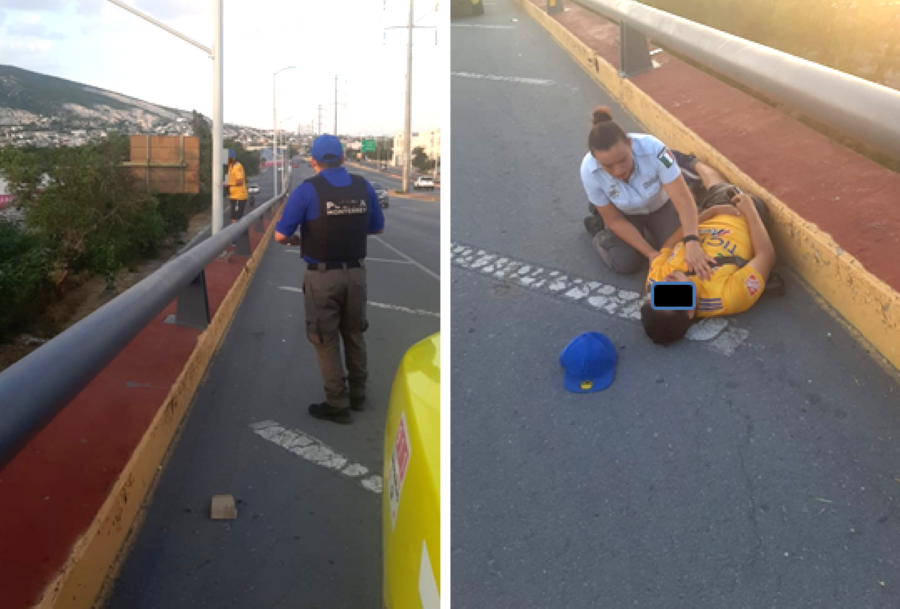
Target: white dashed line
pixel 380 305
pixel 388 260
pixel 484 26
pixel 391 307
pixel 314 451
pixel 525 81
pixel 717 332
pixel 405 257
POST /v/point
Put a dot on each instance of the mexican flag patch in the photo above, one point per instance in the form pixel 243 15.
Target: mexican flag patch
pixel 666 158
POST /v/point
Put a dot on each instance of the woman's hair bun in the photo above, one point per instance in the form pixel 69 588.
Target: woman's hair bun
pixel 602 114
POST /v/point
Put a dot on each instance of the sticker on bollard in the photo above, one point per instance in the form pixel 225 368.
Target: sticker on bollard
pixel 673 296
pixel 554 7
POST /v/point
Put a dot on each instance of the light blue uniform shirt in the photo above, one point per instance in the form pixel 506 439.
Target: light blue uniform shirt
pixel 643 193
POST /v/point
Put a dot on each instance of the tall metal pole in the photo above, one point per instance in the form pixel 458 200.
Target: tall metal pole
pixel 218 79
pixel 407 134
pixel 335 104
pixel 274 140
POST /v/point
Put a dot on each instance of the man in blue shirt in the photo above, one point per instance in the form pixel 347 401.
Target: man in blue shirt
pixel 335 211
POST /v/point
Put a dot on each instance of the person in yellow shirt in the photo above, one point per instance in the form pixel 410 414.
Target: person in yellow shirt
pixel 733 233
pixel 237 187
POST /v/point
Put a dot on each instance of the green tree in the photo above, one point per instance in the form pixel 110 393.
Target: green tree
pixel 93 215
pixel 420 160
pixel 24 278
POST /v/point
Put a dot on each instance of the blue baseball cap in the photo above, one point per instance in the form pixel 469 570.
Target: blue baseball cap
pixel 327 148
pixel 232 153
pixel 590 363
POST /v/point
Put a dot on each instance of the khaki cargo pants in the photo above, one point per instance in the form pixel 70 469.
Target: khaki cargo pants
pixel 336 309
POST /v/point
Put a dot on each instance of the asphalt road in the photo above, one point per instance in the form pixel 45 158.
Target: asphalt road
pixel 306 536
pixel 756 466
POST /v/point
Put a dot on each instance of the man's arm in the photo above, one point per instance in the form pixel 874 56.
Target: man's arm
pixel 292 218
pixel 763 250
pixel 715 210
pixel 376 214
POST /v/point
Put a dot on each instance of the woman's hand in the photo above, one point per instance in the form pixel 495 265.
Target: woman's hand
pixel 697 260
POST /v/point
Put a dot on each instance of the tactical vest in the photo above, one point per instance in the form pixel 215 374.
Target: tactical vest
pixel 340 232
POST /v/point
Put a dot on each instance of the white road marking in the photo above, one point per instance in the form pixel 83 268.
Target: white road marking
pixel 717 332
pixel 388 260
pixel 484 26
pixel 380 305
pixel 405 257
pixel 515 79
pixel 315 451
pixel 392 307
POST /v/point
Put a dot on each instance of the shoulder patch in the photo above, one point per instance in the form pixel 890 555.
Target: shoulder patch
pixel 666 158
pixel 752 284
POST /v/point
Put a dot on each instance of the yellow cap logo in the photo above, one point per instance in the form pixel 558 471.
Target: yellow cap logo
pixel 587 385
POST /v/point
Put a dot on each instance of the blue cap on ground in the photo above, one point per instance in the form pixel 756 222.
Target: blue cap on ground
pixel 590 363
pixel 232 153
pixel 327 148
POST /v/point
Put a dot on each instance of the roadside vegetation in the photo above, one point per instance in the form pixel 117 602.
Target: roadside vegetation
pixel 82 214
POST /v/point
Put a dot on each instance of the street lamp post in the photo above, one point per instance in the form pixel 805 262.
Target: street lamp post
pixel 218 78
pixel 275 133
pixel 407 133
pixel 286 170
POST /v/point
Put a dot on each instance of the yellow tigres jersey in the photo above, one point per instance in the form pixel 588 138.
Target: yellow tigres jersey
pixel 730 290
pixel 234 174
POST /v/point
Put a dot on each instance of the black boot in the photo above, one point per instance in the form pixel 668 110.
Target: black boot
pixel 594 224
pixel 326 412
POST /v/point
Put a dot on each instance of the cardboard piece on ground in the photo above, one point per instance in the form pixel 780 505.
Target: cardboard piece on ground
pixel 223 508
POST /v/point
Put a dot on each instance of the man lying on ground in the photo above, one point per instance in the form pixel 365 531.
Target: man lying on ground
pixel 733 232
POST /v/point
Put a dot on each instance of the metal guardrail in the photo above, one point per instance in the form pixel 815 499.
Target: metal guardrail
pixel 861 109
pixel 36 388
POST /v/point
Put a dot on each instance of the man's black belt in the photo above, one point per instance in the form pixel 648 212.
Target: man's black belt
pixel 333 266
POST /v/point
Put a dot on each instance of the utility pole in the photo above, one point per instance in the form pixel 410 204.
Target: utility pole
pixel 320 120
pixel 335 104
pixel 407 132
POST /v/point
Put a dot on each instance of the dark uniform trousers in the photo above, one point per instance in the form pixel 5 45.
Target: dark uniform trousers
pixel 336 311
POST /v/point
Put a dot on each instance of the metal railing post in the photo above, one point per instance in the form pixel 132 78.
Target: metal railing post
pixel 242 245
pixel 192 309
pixel 634 51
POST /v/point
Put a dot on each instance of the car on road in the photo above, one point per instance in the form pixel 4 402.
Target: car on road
pixel 424 183
pixel 466 8
pixel 411 498
pixel 253 188
pixel 382 193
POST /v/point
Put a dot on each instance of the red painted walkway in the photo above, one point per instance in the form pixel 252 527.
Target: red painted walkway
pixel 847 195
pixel 51 492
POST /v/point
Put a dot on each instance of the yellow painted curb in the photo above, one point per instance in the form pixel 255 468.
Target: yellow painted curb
pixel 868 304
pixel 98 553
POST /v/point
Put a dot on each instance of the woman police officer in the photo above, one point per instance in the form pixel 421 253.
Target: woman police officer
pixel 634 182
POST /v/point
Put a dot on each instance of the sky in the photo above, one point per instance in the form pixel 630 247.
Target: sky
pixel 98 43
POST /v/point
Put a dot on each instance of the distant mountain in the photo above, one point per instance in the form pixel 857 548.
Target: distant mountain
pixel 26 96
